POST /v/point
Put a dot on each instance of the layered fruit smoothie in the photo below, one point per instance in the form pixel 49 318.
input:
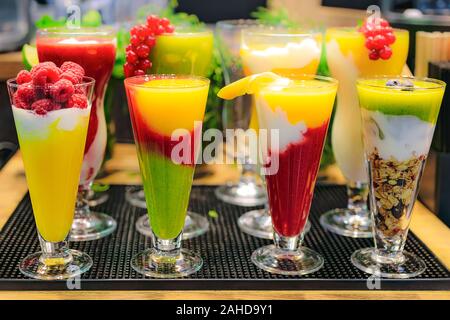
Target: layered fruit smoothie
pixel 279 51
pixel 301 112
pixel 398 120
pixel 348 58
pixel 182 53
pixel 96 53
pixel 166 111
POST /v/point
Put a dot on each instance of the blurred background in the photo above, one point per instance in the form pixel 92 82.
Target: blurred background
pixel 428 22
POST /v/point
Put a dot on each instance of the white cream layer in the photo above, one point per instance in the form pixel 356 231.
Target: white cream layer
pixel 401 137
pixel 34 126
pixel 276 119
pixel 294 55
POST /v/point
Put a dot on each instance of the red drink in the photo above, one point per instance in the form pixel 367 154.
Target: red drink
pixel 291 189
pixel 96 55
pixel 95 50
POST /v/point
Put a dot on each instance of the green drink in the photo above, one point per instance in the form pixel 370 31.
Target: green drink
pixel 182 53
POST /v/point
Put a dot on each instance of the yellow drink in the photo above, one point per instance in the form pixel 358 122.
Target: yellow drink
pixel 52 150
pixel 348 59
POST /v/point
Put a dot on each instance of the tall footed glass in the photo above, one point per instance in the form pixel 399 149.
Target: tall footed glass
pixel 248 191
pixel 95 50
pixel 183 52
pixel 348 58
pixel 52 137
pixel 293 113
pixel 167 113
pixel 398 119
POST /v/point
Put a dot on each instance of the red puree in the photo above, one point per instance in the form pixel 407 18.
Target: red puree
pixel 97 59
pixel 149 140
pixel 291 189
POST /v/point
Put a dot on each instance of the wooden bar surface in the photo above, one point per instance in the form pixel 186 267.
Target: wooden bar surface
pixel 123 169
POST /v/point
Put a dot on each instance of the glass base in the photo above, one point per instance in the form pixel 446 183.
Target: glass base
pixel 185 264
pixel 194 225
pixel 368 261
pixel 242 194
pixel 258 223
pixel 136 197
pixel 290 263
pixel 346 223
pixel 93 226
pixel 97 198
pixel 33 267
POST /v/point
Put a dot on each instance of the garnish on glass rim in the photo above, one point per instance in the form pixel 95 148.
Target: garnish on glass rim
pixel 379 37
pixel 142 40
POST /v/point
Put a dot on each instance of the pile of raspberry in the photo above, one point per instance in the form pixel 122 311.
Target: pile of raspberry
pixel 142 40
pixel 379 36
pixel 46 88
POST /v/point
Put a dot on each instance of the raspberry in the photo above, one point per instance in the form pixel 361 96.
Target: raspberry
pixel 25 93
pixel 72 77
pixel 43 106
pixel 23 77
pixel 46 72
pixel 77 101
pixel 19 103
pixel 74 67
pixel 62 90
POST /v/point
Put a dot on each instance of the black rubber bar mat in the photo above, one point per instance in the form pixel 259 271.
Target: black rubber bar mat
pixel 225 249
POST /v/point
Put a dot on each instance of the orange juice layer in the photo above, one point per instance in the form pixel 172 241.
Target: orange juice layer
pixel 52 150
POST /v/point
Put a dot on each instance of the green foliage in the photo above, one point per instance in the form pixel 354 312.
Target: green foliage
pixel 92 18
pixel 272 17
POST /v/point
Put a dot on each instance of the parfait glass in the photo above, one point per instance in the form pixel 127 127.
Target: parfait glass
pixel 167 114
pixel 248 191
pixel 186 51
pixel 95 50
pixel 280 50
pixel 52 145
pixel 348 59
pixel 398 119
pixel 295 115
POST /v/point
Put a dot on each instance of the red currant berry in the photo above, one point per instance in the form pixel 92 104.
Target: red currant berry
pixel 164 22
pixel 385 53
pixel 379 42
pixel 152 20
pixel 383 23
pixel 150 41
pixel 390 38
pixel 129 48
pixel 169 29
pixel 369 43
pixel 134 40
pixel 143 51
pixel 131 57
pixel 144 64
pixel 139 72
pixel 128 69
pixel 373 55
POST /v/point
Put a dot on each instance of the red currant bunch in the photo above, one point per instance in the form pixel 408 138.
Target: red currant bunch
pixel 142 40
pixel 379 36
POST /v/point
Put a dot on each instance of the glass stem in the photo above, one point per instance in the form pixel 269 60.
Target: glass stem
pixel 55 255
pixel 82 204
pixel 357 193
pixel 166 250
pixel 248 173
pixel 287 243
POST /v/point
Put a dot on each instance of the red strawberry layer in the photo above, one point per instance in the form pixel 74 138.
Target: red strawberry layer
pixel 291 189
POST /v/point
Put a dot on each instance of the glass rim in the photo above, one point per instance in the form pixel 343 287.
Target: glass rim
pixel 363 82
pixel 325 82
pixel 106 30
pixel 270 31
pixel 353 28
pixel 87 81
pixel 238 23
pixel 148 77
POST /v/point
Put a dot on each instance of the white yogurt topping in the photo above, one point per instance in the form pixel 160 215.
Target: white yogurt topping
pixel 36 126
pixel 293 55
pixel 401 137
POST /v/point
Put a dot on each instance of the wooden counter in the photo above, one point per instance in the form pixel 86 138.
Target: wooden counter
pixel 123 169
